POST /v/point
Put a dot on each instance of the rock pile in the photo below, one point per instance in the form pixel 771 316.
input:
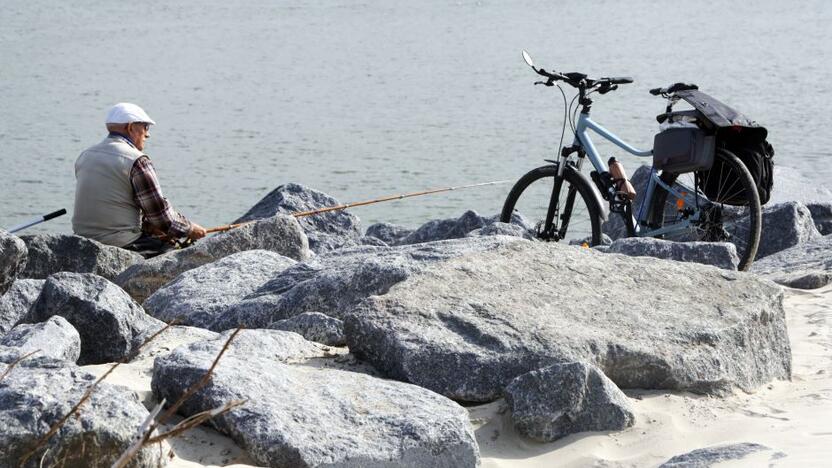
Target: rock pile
pixel 53 253
pixel 806 266
pixel 197 296
pixel 12 259
pixel 38 393
pixel 563 399
pixel 15 304
pixel 326 231
pixel 279 234
pixel 785 225
pixel 304 415
pixel 463 309
pixel 104 315
pixel 719 254
pixel 55 338
pixel 466 326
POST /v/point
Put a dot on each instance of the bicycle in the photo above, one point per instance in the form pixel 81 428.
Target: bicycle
pixel 566 206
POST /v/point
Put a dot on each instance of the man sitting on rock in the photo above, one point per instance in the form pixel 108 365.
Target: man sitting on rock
pixel 118 200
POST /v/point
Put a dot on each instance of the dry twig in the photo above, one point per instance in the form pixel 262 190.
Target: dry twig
pixel 87 394
pixel 131 451
pixel 16 362
pixel 201 383
pixel 195 420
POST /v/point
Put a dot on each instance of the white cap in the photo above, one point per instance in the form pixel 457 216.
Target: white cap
pixel 125 113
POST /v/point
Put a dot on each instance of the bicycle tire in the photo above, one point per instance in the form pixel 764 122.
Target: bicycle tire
pixel 530 198
pixel 725 218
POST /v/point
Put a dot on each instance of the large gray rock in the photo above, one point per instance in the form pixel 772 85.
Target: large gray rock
pixel 26 359
pixel 374 241
pixel 615 227
pixel 279 234
pixel 197 296
pixel 56 338
pixel 502 229
pixel 334 283
pixel 299 415
pixel 314 326
pixel 326 231
pixel 822 216
pixel 14 305
pixel 711 456
pixel 470 223
pixel 466 326
pixel 443 229
pixel 718 254
pixel 12 259
pixel 38 393
pixel 563 399
pixel 52 253
pixel 805 266
pixel 785 225
pixel 104 315
pixel 391 234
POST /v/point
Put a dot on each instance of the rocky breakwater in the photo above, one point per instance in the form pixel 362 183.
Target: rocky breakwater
pixel 466 326
pixel 805 266
pixel 13 254
pixel 299 413
pixel 331 283
pixel 37 393
pixel 53 253
pixel 106 318
pixel 326 231
pixel 279 234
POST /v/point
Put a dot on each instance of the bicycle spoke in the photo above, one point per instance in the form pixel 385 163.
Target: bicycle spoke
pixel 555 213
pixel 730 214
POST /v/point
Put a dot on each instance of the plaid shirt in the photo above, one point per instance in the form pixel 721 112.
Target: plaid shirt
pixel 158 214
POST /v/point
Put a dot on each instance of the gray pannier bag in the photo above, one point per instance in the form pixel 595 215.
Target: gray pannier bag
pixel 683 147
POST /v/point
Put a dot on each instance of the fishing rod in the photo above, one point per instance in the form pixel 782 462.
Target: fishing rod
pixel 37 220
pixel 303 214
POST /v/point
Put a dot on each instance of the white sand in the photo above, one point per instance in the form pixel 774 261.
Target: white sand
pixel 793 419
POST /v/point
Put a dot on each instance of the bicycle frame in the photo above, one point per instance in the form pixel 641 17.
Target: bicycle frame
pixel 582 140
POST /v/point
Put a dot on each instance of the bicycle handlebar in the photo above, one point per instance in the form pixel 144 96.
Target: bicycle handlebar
pixel 581 81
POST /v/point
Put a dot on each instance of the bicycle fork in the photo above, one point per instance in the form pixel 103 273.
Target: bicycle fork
pixel 550 229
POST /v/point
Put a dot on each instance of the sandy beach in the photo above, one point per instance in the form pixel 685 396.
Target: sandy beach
pixel 793 420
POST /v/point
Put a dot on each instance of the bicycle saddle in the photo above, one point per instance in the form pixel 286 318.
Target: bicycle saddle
pixel 673 88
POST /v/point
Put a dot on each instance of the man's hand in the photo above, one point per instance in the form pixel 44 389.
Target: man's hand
pixel 197 232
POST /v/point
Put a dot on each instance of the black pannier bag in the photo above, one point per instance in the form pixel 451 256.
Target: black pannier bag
pixel 739 135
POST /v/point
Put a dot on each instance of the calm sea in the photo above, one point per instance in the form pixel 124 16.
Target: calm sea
pixel 364 99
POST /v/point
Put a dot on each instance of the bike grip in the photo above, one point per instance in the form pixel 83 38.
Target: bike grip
pixel 656 91
pixel 54 214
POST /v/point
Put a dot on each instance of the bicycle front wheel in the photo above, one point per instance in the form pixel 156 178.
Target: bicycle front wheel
pixel 568 213
pixel 725 208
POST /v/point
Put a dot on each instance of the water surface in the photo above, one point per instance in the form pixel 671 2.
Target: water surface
pixel 363 99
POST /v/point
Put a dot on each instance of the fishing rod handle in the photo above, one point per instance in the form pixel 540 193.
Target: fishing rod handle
pixel 54 214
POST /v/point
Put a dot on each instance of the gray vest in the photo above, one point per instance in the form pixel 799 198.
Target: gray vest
pixel 105 208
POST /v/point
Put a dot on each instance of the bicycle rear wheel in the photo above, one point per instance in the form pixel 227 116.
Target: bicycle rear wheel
pixel 730 212
pixel 575 218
